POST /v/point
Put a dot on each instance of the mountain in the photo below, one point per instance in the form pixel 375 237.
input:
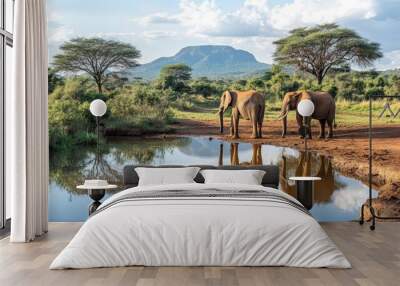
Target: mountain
pixel 211 61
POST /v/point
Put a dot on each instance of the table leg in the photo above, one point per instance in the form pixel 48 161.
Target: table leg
pixel 305 193
pixel 95 195
pixel 93 207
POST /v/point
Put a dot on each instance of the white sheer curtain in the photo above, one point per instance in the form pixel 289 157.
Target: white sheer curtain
pixel 27 129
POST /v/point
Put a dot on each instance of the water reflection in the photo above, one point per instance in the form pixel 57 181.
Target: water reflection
pixel 256 158
pixel 73 166
pixel 304 164
pixel 336 196
pixel 309 164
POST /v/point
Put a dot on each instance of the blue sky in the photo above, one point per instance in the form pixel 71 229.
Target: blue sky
pixel 161 28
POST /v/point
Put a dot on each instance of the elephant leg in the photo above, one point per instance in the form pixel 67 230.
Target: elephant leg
pixel 322 123
pixel 330 126
pixel 234 154
pixel 299 120
pixel 259 155
pixel 232 129
pixel 254 134
pixel 235 116
pixel 254 119
pixel 309 131
pixel 260 121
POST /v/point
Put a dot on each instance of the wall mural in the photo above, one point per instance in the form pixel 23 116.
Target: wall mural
pixel 174 74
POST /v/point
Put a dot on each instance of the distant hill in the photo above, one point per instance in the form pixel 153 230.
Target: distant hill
pixel 210 61
pixel 392 71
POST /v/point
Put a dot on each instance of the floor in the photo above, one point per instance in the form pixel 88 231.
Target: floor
pixel 5 231
pixel 375 257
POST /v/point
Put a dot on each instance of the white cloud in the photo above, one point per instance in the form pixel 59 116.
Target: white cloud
pixel 308 12
pixel 59 33
pixel 349 199
pixel 54 16
pixel 391 60
pixel 158 34
pixel 199 17
pixel 256 18
pixel 208 19
pixel 159 18
pixel 115 34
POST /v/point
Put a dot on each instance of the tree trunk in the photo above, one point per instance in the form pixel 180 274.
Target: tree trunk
pixel 320 78
pixel 99 87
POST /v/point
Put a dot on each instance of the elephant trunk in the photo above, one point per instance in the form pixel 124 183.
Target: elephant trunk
pixel 221 121
pixel 283 117
pixel 284 126
pixel 284 112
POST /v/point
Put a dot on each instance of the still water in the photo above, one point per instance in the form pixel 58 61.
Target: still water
pixel 336 198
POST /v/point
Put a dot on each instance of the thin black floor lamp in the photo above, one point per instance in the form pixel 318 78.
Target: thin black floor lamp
pixel 369 203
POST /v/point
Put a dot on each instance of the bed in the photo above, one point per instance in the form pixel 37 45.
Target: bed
pixel 198 224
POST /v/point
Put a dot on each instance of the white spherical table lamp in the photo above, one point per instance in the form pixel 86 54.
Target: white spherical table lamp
pixel 98 107
pixel 305 107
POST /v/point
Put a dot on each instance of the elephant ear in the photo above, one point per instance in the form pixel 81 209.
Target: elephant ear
pixel 298 95
pixel 227 100
pixel 303 95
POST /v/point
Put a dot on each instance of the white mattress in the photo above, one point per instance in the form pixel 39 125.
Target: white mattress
pixel 202 232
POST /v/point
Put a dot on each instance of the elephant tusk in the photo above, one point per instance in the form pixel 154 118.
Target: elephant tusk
pixel 281 116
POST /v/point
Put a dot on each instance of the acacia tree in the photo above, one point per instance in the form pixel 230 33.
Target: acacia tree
pixel 95 56
pixel 319 49
pixel 175 76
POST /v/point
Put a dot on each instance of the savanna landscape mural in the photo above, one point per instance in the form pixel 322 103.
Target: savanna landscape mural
pixel 218 82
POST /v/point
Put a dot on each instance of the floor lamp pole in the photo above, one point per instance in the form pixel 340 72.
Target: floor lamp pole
pixel 370 152
pixel 368 205
pixel 97 132
pixel 305 133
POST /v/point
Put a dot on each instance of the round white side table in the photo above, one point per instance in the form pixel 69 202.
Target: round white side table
pixel 96 193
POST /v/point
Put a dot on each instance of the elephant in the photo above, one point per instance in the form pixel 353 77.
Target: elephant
pixel 250 105
pixel 324 112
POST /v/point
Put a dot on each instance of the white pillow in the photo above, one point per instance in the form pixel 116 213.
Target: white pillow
pixel 166 176
pixel 247 177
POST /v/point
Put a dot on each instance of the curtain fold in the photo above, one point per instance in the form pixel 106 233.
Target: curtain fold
pixel 27 146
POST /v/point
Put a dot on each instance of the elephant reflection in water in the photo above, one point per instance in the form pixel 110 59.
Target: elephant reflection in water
pixel 322 189
pixel 234 155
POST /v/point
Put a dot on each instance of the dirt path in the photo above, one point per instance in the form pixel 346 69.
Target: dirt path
pixel 348 150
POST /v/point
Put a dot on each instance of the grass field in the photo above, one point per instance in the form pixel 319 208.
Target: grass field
pixel 348 113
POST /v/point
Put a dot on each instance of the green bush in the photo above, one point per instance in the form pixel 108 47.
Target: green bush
pixel 143 108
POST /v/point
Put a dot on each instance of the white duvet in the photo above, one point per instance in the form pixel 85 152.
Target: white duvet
pixel 193 231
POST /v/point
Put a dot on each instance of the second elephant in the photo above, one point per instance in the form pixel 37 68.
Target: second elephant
pixel 324 112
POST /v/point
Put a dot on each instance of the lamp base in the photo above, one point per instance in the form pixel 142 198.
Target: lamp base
pixel 373 215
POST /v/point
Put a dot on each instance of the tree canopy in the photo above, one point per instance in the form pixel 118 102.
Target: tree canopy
pixel 96 57
pixel 319 49
pixel 175 76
